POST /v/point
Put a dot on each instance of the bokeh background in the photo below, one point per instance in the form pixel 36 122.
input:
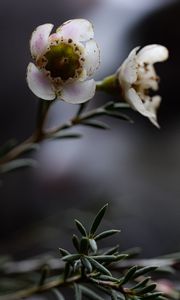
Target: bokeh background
pixel 133 167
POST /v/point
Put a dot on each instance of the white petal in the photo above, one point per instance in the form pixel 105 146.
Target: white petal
pixel 128 70
pixel 78 92
pixel 152 54
pixel 152 106
pixel 77 30
pixel 136 103
pixel 39 84
pixel 39 39
pixel 154 121
pixel 92 57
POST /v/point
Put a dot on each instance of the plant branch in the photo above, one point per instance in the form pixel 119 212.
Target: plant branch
pixel 40 288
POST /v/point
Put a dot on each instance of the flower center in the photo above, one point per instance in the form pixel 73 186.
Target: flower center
pixel 62 61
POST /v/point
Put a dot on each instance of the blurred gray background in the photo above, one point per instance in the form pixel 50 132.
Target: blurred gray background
pixel 133 167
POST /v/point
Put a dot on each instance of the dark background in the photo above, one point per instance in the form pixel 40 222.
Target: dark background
pixel 133 167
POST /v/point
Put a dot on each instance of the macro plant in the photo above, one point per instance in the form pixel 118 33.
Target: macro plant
pixel 63 67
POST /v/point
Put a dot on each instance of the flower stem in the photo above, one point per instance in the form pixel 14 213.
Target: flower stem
pixel 43 109
pixel 109 85
pixel 37 136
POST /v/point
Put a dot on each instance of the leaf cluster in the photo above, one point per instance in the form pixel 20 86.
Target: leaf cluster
pixel 92 272
pixel 94 266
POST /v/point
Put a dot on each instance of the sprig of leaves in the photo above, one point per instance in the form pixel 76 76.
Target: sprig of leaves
pixel 88 270
pixel 94 267
pixel 11 152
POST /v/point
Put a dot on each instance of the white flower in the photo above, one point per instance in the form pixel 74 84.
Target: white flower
pixel 137 76
pixel 64 62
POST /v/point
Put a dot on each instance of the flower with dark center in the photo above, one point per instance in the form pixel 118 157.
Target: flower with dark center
pixel 64 62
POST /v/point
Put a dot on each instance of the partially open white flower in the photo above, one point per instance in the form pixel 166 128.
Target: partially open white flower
pixel 64 62
pixel 137 76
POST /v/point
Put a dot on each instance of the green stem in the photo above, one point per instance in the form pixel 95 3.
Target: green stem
pixel 109 84
pixel 43 109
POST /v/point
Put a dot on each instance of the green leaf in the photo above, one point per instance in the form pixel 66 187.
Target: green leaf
pixel 96 124
pixel 111 250
pixel 143 271
pixel 119 115
pixel 114 295
pixel 146 289
pixel 71 257
pixel 121 257
pixel 17 164
pixel 81 228
pixel 76 242
pixel 152 296
pixel 58 294
pixel 129 274
pixel 141 283
pixel 60 135
pixel 98 266
pixel 166 269
pixel 111 105
pixel 78 292
pixel 93 245
pixel 98 219
pixel 81 108
pixel 105 258
pixel 64 252
pixel 160 296
pixel 76 266
pixel 108 278
pixel 90 294
pixel 86 263
pixel 106 234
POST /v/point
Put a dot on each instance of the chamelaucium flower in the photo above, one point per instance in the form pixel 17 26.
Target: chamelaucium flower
pixel 64 62
pixel 137 77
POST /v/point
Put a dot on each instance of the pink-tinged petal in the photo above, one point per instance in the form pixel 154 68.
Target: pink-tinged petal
pixel 152 54
pixel 39 39
pixel 39 84
pixel 136 103
pixel 92 57
pixel 54 37
pixel 78 92
pixel 128 70
pixel 77 30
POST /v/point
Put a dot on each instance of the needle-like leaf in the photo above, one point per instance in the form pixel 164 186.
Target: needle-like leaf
pixel 98 219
